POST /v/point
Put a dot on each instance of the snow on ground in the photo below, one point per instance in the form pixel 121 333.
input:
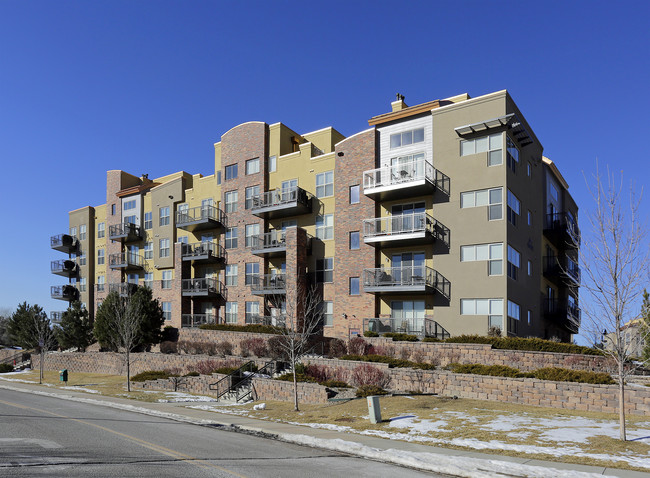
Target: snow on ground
pixel 80 389
pixel 177 397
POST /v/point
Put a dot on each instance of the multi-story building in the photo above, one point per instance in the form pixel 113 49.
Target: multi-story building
pixel 441 218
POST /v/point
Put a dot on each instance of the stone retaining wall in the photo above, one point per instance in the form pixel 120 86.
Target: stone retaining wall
pixel 6 353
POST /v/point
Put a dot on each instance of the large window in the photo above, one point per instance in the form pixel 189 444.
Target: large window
pixel 167 310
pixel 325 184
pixel 231 238
pixel 355 194
pixel 100 257
pixel 354 240
pixel 163 250
pixel 272 164
pixel 101 230
pixel 148 279
pixel 82 259
pixel 325 227
pixel 252 270
pixel 231 274
pixel 325 269
pixel 493 198
pixel 166 282
pixel 252 311
pixel 82 232
pixel 485 252
pixel 407 137
pixel 230 198
pixel 129 204
pixel 354 286
pixel 328 313
pixel 493 308
pixel 513 310
pixel 164 216
pixel 148 250
pixel 148 221
pixel 492 144
pixel 252 231
pixel 101 281
pixel 514 208
pixel 231 312
pixel 253 166
pixel 231 171
pixel 82 284
pixel 512 152
pixel 514 261
pixel 251 193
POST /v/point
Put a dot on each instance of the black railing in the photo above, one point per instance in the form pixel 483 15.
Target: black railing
pixel 126 230
pixel 64 242
pixel 203 250
pixel 423 326
pixel 240 381
pixel 200 214
pixel 125 259
pixel 564 227
pixel 196 320
pixel 281 197
pixel 203 286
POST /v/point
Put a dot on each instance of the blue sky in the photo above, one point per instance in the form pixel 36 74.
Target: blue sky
pixel 149 86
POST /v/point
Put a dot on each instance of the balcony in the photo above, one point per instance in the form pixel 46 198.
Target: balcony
pixel 270 244
pixel 196 320
pixel 66 268
pixel 56 317
pixel 204 287
pixel 561 270
pixel 124 289
pixel 125 261
pixel 563 313
pixel 423 327
pixel 64 292
pixel 562 231
pixel 200 218
pixel 282 203
pixel 274 320
pixel 205 252
pixel 404 230
pixel 267 284
pixel 410 279
pixel 414 178
pixel 125 232
pixel 64 243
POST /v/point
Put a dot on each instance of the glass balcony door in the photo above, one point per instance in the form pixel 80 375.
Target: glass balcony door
pixel 407 315
pixel 408 267
pixel 407 217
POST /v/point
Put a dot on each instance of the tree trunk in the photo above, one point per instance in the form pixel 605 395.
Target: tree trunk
pixel 40 375
pixel 128 372
pixel 295 382
pixel 621 400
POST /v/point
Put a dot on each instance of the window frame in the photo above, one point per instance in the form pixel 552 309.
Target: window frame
pixel 325 184
pixel 351 289
pixel 163 248
pixel 231 171
pixel 163 216
pixel 252 166
pixel 230 242
pixel 324 231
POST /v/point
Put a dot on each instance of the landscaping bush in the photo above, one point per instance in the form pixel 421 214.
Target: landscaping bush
pixel 335 384
pixel 492 370
pixel 431 339
pixel 388 350
pixel 256 328
pixel 367 374
pixel 369 390
pixel 168 347
pixel 152 375
pixel 358 346
pixel 6 368
pixel 400 337
pixel 275 349
pixel 300 377
pixel 337 348
pixel 391 361
pixel 518 343
pixel 565 375
pixel 169 334
pixel 254 346
pixel 192 374
pixel 224 348
pixel 370 333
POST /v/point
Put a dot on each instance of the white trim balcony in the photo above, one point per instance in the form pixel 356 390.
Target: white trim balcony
pixel 282 203
pixel 200 218
pixel 410 179
pixel 410 279
pixel 404 230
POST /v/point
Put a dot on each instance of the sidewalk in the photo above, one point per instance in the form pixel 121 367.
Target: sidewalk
pixel 428 458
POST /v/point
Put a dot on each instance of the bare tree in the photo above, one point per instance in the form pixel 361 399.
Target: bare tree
pixel 303 320
pixel 45 339
pixel 126 336
pixel 615 264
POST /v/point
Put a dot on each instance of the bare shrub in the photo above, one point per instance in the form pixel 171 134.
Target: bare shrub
pixel 451 357
pixel 358 346
pixel 254 346
pixel 224 348
pixel 319 372
pixel 168 347
pixel 208 348
pixel 404 353
pixel 435 359
pixel 494 331
pixel 337 348
pixel 367 374
pixel 417 355
pixel 206 367
pixel 387 350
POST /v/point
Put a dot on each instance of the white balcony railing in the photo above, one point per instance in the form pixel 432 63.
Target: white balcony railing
pixel 399 174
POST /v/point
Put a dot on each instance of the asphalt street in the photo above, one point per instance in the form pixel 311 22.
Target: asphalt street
pixel 46 436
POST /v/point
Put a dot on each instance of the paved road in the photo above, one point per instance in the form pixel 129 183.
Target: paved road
pixel 45 436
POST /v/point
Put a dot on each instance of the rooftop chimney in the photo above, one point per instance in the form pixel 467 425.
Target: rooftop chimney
pixel 398 104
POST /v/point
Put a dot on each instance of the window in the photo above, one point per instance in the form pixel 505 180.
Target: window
pixel 251 193
pixel 325 184
pixel 82 259
pixel 101 230
pixel 101 281
pixel 513 310
pixel 148 220
pixel 493 308
pixel 530 218
pixel 133 279
pixel 288 223
pixel 231 312
pixel 73 231
pixel 231 172
pixel 529 171
pixel 231 201
pixel 354 240
pixel 493 198
pixel 167 310
pixel 113 209
pixel 253 166
pixel 148 250
pixel 129 204
pixel 183 239
pixel 272 164
pixel 82 284
pixel 82 232
pixel 325 227
pixel 514 259
pixel 485 252
pixel 328 313
pixel 252 232
pixel 530 268
pixel 148 279
pixel 166 282
pixel 100 257
pixel 513 154
pixel 325 269
pixel 407 137
pixel 354 194
pixel 231 274
pixel 218 178
pixel 129 219
pixel 164 216
pixel 252 311
pixel 252 269
pixel 492 144
pixel 231 238
pixel 354 286
pixel 514 207
pixel 554 192
pixel 164 248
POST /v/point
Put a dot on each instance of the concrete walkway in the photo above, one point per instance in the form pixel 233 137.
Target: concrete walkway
pixel 297 433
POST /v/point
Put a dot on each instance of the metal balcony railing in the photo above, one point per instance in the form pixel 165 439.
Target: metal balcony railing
pixel 203 251
pixel 64 292
pixel 124 289
pixel 64 243
pixel 267 283
pixel 269 240
pixel 281 202
pixel 196 320
pixel 125 260
pixel 66 268
pixel 562 230
pixel 127 231
pixel 564 312
pixel 422 326
pixel 275 320
pixel 404 175
pixel 562 268
pixel 404 226
pixel 203 287
pixel 405 279
pixel 201 217
pixel 56 317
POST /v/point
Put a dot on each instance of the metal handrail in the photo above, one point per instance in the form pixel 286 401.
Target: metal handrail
pixel 561 221
pixel 423 326
pixel 63 265
pixel 268 240
pixel 266 370
pixel 226 384
pixel 280 320
pixel 279 197
pixel 59 240
pixel 268 281
pixel 203 248
pixel 406 276
pixel 199 213
pixel 124 229
pixel 195 320
pixel 125 258
pixel 203 284
pixel 414 170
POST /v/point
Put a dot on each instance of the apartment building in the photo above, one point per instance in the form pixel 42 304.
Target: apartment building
pixel 441 219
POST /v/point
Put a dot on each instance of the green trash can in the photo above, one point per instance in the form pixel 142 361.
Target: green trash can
pixel 63 375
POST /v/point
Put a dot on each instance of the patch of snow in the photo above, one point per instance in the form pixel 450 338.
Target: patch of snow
pixel 180 397
pixel 80 389
pixel 420 426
